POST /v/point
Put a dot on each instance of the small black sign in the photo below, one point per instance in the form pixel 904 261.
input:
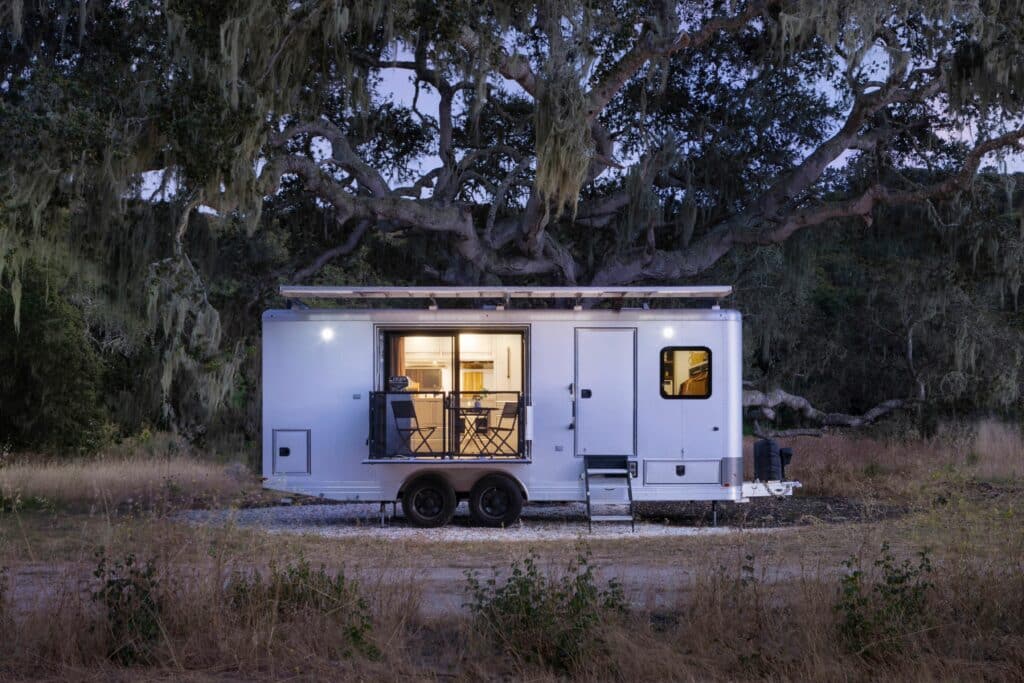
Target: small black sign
pixel 398 383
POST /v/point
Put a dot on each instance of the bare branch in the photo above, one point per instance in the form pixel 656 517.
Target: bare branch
pixel 499 199
pixel 647 48
pixel 192 201
pixel 341 151
pixel 512 66
pixel 356 236
pixel 782 194
pixel 416 189
pixel 863 205
pixel 767 403
pixel 429 215
pixel 776 215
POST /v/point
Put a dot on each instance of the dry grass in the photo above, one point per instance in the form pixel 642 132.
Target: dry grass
pixel 998 450
pixel 737 626
pixel 864 467
pixel 130 476
pixel 734 622
pixel 746 607
pixel 202 612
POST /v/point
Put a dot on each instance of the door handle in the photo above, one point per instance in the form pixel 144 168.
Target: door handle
pixel 585 393
pixel 283 452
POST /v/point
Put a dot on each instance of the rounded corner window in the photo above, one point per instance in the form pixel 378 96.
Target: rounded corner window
pixel 685 372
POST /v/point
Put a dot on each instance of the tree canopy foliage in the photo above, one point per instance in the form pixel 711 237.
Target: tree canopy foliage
pixel 175 160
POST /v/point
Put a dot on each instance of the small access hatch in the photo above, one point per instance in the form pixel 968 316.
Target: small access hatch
pixel 291 451
pixel 682 471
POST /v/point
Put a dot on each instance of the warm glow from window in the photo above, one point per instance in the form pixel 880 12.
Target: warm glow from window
pixel 685 372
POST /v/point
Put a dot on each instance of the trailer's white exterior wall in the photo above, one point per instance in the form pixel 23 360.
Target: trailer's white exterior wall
pixel 320 365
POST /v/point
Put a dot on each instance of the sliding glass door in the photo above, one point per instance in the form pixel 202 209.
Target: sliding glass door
pixel 459 394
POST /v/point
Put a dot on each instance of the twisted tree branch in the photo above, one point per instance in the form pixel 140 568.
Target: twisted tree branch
pixel 768 402
pixel 648 47
pixel 354 238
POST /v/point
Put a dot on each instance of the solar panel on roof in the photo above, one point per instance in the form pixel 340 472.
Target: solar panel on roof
pixel 676 292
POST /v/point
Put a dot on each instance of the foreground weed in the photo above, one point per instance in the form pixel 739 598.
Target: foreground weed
pixel 14 502
pixel 296 590
pixel 3 595
pixel 132 601
pixel 555 623
pixel 877 614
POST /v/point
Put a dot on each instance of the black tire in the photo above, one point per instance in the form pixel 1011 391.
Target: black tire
pixel 429 502
pixel 495 501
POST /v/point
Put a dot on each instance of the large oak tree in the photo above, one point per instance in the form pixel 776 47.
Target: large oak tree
pixel 606 142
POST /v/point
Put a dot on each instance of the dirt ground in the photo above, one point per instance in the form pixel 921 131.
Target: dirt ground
pixel 783 538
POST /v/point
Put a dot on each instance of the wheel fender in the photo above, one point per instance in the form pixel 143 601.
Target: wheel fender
pixel 519 483
pixel 422 474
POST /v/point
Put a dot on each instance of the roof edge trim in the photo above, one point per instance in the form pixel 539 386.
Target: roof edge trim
pixel 675 292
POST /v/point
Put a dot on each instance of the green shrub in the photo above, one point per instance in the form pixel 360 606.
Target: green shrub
pixel 296 590
pixel 878 613
pixel 131 598
pixel 13 501
pixel 51 384
pixel 553 622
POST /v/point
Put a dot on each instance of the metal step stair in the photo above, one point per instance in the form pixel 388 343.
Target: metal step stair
pixel 608 469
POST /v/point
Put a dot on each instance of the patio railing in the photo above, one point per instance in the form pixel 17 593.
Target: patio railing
pixel 447 425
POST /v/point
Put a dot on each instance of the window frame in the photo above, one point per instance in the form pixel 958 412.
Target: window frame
pixel 661 386
pixel 383 332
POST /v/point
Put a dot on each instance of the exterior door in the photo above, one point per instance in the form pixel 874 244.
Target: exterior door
pixel 605 391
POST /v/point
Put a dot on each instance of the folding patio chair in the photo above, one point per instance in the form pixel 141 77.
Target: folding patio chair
pixel 406 411
pixel 500 433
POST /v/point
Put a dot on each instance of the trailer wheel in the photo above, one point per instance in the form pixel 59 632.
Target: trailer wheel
pixel 495 501
pixel 429 502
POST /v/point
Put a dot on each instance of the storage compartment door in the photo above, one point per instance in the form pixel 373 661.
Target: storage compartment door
pixel 605 391
pixel 291 451
pixel 660 472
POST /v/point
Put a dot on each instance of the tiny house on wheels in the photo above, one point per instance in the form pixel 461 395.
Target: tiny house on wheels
pixel 500 402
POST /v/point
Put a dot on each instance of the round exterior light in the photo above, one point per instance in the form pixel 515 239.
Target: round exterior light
pixel 668 332
pixel 327 334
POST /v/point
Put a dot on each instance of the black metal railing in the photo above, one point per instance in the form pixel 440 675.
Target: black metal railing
pixel 452 425
pixel 486 423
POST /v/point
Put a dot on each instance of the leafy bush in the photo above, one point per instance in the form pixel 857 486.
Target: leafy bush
pixel 878 613
pixel 131 597
pixel 14 501
pixel 553 622
pixel 52 377
pixel 296 590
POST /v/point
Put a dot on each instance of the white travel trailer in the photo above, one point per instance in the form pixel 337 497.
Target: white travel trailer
pixel 505 401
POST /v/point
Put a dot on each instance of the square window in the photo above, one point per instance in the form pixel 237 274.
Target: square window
pixel 685 372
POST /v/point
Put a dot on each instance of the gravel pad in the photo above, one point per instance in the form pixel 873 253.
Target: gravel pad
pixel 539 522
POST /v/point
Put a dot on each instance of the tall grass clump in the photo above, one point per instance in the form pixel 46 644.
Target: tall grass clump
pixel 555 622
pixel 146 616
pixel 296 593
pixel 115 482
pixel 998 450
pixel 889 466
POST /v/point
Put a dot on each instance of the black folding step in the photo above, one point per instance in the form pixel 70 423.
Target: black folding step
pixel 608 468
